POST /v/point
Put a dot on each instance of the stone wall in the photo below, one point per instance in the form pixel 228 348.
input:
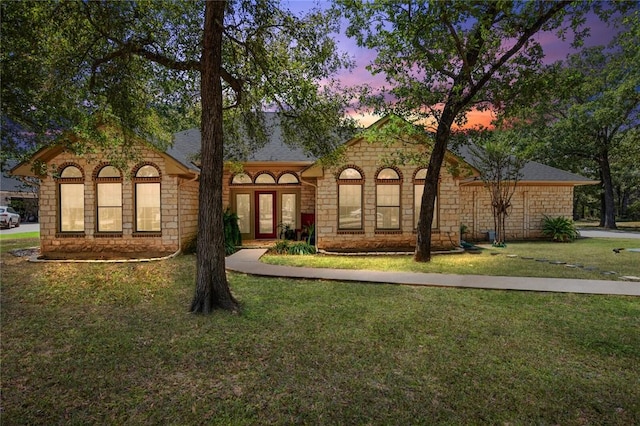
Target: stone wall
pixel 530 203
pixel 166 241
pixel 189 190
pixel 369 158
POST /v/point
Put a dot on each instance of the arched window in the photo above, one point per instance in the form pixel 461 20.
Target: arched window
pixel 147 199
pixel 350 181
pixel 418 189
pixel 109 199
pixel 241 179
pixel 388 199
pixel 147 171
pixel 264 178
pixel 71 172
pixel 287 178
pixel 71 199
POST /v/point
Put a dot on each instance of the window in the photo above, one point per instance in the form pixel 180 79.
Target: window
pixel 418 190
pixel 240 178
pixel 388 199
pixel 289 210
pixel 109 199
pixel 71 205
pixel 350 213
pixel 243 210
pixel 147 199
pixel 288 178
pixel 264 178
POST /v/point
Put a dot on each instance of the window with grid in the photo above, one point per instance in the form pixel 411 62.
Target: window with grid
pixel 418 190
pixel 71 199
pixel 350 181
pixel 388 199
pixel 147 199
pixel 109 200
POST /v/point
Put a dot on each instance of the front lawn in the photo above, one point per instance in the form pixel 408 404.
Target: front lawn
pixel 595 255
pixel 114 344
pixel 19 241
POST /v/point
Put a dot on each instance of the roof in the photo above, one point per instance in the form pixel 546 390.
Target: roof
pixel 185 148
pixel 10 184
pixel 533 171
pixel 187 144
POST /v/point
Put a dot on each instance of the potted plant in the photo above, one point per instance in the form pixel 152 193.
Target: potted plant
pixel 286 231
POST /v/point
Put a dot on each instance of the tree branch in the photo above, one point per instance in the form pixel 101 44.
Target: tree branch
pixel 527 33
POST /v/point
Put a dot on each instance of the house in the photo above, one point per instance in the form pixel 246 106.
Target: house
pixel 91 208
pixel 360 204
pixel 21 195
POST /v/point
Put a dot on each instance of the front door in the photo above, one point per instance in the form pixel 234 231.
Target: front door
pixel 265 214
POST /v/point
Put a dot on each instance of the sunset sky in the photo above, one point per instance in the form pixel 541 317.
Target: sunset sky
pixel 554 48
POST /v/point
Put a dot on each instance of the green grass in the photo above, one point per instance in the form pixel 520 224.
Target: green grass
pixel 22 235
pixel 114 344
pixel 7 244
pixel 590 252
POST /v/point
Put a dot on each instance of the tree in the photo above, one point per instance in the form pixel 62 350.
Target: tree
pixel 146 65
pixel 444 58
pixel 590 109
pixel 500 169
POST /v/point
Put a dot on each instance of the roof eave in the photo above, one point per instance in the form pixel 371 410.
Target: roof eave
pixel 477 182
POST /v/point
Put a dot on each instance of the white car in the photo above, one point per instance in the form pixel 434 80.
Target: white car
pixel 9 218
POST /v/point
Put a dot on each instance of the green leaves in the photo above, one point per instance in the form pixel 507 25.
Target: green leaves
pixel 136 65
pixel 560 229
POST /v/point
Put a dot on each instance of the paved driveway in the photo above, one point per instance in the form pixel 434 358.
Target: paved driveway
pixel 24 227
pixel 598 233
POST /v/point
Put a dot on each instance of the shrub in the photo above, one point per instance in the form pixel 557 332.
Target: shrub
pixel 299 248
pixel 633 211
pixel 232 236
pixel 560 229
pixel 281 247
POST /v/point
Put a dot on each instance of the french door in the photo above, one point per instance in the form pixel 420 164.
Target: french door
pixel 265 206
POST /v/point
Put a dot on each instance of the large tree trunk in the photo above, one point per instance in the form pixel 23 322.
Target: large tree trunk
pixel 609 213
pixel 212 289
pixel 423 242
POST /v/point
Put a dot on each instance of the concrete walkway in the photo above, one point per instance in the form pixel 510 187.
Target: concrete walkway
pixel 248 261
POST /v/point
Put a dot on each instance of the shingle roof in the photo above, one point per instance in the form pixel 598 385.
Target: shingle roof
pixel 532 170
pixel 187 145
pixel 10 184
pixel 185 148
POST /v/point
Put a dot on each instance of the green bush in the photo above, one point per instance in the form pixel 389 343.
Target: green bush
pixel 232 236
pixel 301 248
pixel 633 211
pixel 281 247
pixel 560 229
pixel 287 247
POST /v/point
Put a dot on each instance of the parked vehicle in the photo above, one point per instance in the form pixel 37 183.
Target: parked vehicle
pixel 9 218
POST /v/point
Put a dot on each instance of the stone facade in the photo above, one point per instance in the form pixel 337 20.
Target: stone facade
pixel 369 159
pixel 313 196
pixel 530 203
pixel 178 202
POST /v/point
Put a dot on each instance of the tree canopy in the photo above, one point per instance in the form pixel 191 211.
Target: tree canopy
pixel 442 58
pixel 586 114
pixel 148 68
